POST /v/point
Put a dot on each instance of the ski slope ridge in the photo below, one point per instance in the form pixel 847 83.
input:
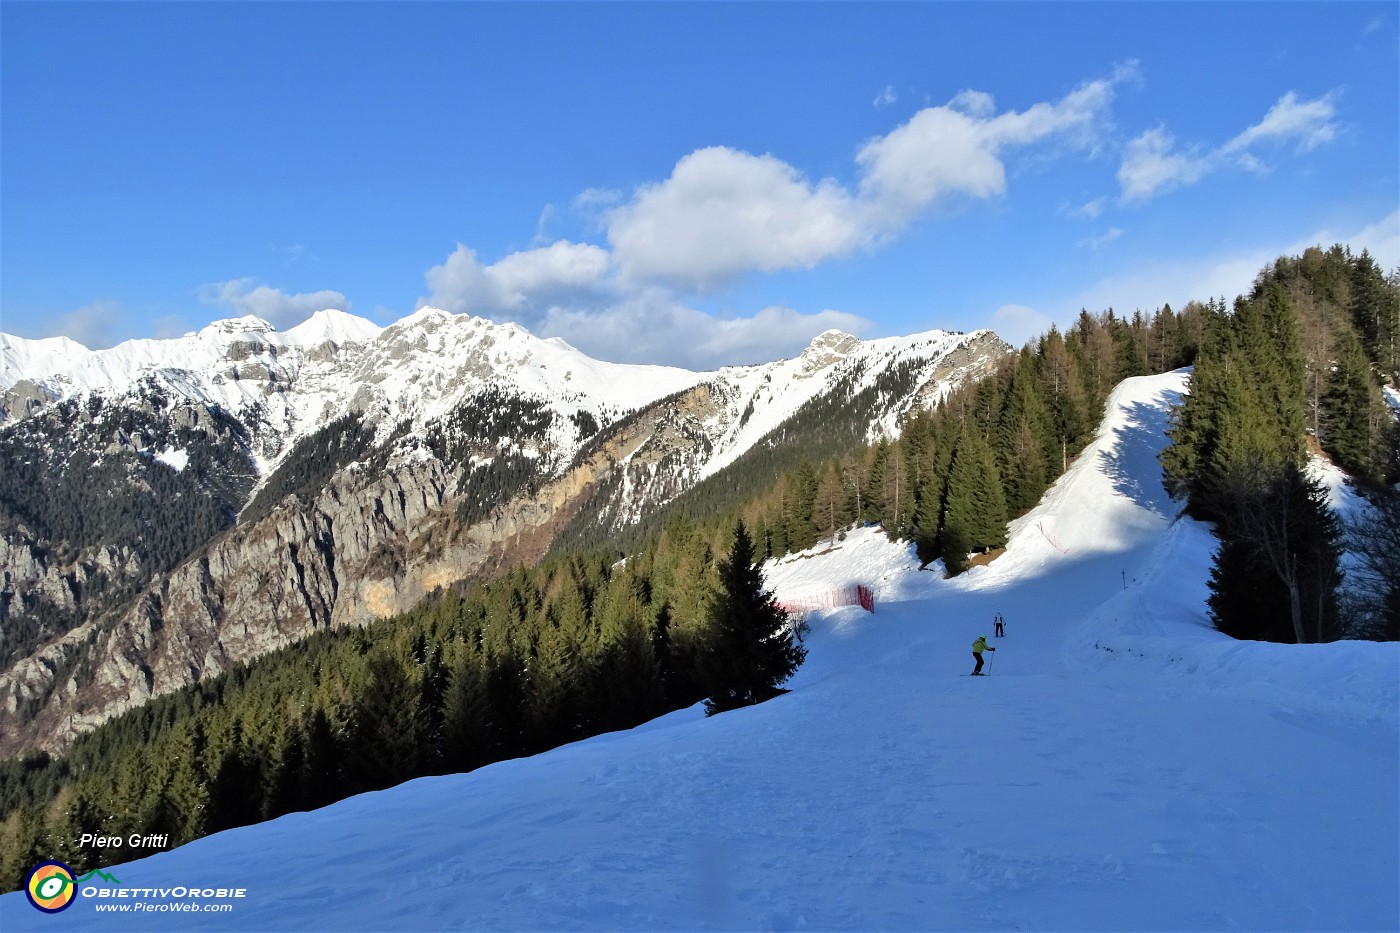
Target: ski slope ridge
pixel 1124 767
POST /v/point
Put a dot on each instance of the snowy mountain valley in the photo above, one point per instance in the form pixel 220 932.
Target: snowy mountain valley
pixel 173 508
pixel 1124 767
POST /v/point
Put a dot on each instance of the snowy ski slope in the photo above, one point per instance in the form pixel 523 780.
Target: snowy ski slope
pixel 1124 767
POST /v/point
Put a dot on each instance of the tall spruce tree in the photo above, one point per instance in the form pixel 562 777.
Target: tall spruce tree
pixel 1023 437
pixel 974 505
pixel 1346 430
pixel 1375 307
pixel 752 649
pixel 1275 577
pixel 928 515
pixel 1066 399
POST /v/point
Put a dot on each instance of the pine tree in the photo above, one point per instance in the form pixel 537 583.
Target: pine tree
pixel 831 512
pixel 470 738
pixel 1275 577
pixel 875 490
pixel 382 750
pixel 974 504
pixel 1375 308
pixel 72 814
pixel 928 519
pixel 556 689
pixel 235 786
pixel 321 781
pixel 1065 396
pixel 1131 341
pixel 429 728
pixel 803 528
pixel 183 801
pixel 1346 425
pixel 1024 434
pixel 751 650
pixel 628 686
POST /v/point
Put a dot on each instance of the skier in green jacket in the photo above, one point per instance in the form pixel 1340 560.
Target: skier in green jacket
pixel 979 646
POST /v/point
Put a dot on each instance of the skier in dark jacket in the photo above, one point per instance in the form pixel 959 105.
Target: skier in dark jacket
pixel 979 646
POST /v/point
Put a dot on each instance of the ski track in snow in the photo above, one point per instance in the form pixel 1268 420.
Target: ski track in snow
pixel 1124 767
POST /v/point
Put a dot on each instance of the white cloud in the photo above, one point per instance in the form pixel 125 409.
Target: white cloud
pixel 652 327
pixel 723 213
pixel 974 103
pixel 957 149
pixel 569 290
pixel 886 97
pixel 1152 165
pixel 279 308
pixel 1309 122
pixel 1017 324
pixel 520 283
pixel 548 215
pixel 1382 240
pixel 94 325
pixel 939 151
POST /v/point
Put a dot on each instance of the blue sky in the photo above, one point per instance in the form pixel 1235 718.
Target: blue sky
pixel 696 184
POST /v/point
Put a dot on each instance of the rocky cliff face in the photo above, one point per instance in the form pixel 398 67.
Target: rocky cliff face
pixel 368 546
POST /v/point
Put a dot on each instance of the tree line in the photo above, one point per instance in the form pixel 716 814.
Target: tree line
pixel 1295 366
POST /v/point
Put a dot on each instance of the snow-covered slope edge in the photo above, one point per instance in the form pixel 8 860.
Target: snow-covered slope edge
pixel 887 790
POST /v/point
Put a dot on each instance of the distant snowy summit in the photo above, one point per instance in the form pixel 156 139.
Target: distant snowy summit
pixel 419 371
pixel 67 362
pixel 286 384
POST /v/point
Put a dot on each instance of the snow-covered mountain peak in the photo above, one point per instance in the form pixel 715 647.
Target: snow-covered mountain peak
pixel 426 313
pixel 826 349
pixel 247 324
pixel 332 326
pixel 832 340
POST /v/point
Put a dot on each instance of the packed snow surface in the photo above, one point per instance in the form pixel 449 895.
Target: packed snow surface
pixel 1124 767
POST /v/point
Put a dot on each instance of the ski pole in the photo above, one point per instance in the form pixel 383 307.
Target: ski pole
pixel 989 662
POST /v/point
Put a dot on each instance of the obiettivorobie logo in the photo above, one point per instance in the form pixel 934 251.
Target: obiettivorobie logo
pixel 51 886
